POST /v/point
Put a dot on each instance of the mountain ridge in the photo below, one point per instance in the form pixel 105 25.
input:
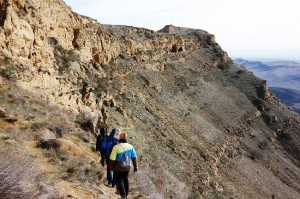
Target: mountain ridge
pixel 203 126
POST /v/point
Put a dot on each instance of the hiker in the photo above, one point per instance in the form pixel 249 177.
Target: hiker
pixel 112 139
pixel 122 154
pixel 100 139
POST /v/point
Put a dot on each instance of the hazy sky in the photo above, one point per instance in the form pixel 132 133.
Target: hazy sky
pixel 244 28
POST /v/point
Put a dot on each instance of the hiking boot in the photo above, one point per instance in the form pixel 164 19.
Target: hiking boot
pixel 117 192
pixel 109 183
pixel 123 197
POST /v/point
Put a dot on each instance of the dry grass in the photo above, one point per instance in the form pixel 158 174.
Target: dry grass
pixel 158 183
pixel 80 168
pixel 18 176
pixel 73 168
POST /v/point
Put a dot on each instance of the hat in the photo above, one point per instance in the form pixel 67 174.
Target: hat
pixel 123 136
pixel 117 134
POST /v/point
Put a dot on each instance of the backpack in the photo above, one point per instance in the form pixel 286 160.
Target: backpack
pixel 125 161
pixel 102 138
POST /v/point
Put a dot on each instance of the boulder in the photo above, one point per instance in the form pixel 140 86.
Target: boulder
pixel 2 112
pixel 68 146
pixel 46 135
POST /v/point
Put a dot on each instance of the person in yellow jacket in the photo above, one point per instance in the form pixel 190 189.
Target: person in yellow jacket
pixel 122 154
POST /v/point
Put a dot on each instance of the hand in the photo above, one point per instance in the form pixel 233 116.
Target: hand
pixel 135 169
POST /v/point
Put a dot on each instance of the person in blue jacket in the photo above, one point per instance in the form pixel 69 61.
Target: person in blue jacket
pixel 107 145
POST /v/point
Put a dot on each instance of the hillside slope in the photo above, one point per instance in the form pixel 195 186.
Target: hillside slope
pixel 203 127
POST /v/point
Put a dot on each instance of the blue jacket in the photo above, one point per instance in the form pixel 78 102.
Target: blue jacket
pixel 117 154
pixel 109 141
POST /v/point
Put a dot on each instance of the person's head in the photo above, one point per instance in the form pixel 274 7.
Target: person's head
pixel 117 134
pixel 123 136
pixel 103 131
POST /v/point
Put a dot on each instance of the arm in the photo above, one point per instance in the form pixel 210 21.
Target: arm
pixel 113 157
pixel 134 159
pixel 98 147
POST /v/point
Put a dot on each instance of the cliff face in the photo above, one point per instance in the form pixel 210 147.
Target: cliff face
pixel 202 126
pixel 53 45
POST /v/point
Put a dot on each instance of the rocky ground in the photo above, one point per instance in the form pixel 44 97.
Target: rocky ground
pixel 203 127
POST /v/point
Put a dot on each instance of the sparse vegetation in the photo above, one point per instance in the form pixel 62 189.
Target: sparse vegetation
pixel 7 32
pixel 21 13
pixel 120 110
pixel 64 57
pixel 149 36
pixel 223 66
pixel 80 168
pixel 17 175
pixel 255 154
pixel 194 194
pixel 8 72
pixel 85 120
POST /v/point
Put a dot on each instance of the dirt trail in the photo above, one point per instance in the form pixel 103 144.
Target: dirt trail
pixel 71 189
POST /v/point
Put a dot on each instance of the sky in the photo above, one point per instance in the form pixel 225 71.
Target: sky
pixel 249 29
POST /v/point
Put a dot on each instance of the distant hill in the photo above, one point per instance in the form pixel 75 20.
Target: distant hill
pixel 283 74
pixel 290 97
pixel 283 78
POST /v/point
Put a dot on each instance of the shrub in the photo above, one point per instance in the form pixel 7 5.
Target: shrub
pixel 223 66
pixel 194 194
pixel 21 13
pixel 149 36
pixel 257 102
pixel 101 86
pixel 255 154
pixel 8 72
pixel 122 56
pixel 17 176
pixel 86 121
pixel 7 32
pixel 64 57
pixel 80 168
pixel 120 110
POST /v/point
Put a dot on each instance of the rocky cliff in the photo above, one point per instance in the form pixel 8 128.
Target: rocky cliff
pixel 203 126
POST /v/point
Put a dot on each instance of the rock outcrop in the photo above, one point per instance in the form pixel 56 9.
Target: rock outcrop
pixel 55 48
pixel 203 126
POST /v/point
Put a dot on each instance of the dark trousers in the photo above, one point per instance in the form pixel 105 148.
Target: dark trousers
pixel 111 178
pixel 109 174
pixel 123 182
pixel 103 159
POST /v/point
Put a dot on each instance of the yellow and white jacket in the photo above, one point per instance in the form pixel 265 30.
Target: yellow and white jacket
pixel 117 154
